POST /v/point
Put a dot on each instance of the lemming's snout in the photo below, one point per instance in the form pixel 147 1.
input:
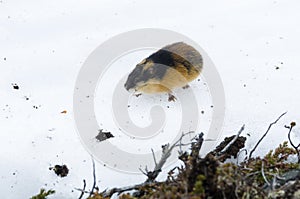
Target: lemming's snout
pixel 128 85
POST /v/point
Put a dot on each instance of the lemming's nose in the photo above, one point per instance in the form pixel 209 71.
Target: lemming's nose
pixel 127 86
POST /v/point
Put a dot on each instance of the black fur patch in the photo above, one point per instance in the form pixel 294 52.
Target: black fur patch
pixel 162 57
pixel 167 58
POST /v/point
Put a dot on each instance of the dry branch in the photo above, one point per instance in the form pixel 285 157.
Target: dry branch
pixel 232 141
pixel 151 175
pixel 290 140
pixel 166 153
pixel 94 177
pixel 264 135
pixel 83 190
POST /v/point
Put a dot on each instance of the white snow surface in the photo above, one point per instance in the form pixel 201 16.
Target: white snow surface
pixel 43 45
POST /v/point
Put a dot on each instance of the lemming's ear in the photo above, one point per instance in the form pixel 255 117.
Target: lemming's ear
pixel 143 62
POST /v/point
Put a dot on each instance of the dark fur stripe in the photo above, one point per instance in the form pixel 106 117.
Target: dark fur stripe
pixel 167 58
pixel 162 57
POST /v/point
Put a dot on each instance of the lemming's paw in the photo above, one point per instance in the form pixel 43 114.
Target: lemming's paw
pixel 186 86
pixel 172 98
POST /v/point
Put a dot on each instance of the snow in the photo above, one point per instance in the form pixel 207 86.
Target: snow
pixel 45 43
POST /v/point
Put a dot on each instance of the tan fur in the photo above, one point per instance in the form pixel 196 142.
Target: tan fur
pixel 188 65
pixel 152 88
pixel 174 78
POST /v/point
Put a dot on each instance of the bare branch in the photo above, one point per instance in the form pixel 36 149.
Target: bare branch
pixel 166 153
pixel 263 174
pixel 180 144
pixel 83 190
pixel 111 192
pixel 233 140
pixel 143 172
pixel 251 152
pixel 94 177
pixel 154 159
pixel 290 140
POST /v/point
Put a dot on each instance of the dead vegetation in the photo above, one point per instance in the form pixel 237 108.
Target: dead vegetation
pixel 274 175
pixel 60 170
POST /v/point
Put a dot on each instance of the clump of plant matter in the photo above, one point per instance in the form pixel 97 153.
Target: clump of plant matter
pixel 217 175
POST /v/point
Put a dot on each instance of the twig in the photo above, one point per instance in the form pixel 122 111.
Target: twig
pixel 143 172
pixel 251 152
pixel 192 162
pixel 250 174
pixel 154 159
pixel 290 140
pixel 274 182
pixel 94 177
pixel 233 140
pixel 166 153
pixel 180 144
pixel 83 190
pixel 170 174
pixel 111 192
pixel 263 173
